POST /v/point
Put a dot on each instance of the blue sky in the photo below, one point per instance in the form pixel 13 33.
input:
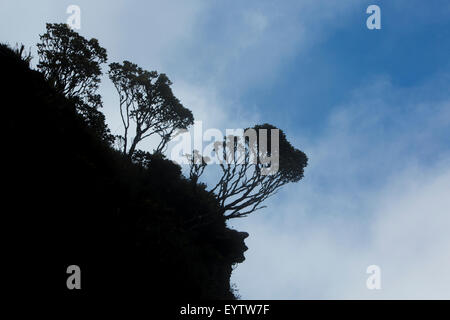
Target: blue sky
pixel 371 108
pixel 412 46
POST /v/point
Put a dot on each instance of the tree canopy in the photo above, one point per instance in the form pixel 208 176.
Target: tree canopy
pixel 70 61
pixel 148 103
pixel 253 168
pixel 72 64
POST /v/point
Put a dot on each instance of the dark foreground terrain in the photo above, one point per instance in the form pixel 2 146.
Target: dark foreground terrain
pixel 69 198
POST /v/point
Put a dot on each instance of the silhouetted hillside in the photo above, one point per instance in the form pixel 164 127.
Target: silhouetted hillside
pixel 72 199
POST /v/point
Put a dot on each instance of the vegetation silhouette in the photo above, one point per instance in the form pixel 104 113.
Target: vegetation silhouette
pixel 129 218
pixel 72 65
pixel 248 173
pixel 147 100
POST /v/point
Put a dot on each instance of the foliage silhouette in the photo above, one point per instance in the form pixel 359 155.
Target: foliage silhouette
pixel 248 176
pixel 72 64
pixel 147 100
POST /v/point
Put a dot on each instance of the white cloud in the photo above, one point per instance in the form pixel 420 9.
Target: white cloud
pixel 326 258
pixel 375 192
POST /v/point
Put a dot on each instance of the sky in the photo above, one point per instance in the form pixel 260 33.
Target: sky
pixel 370 108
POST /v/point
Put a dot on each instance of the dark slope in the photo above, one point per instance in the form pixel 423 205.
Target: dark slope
pixel 69 198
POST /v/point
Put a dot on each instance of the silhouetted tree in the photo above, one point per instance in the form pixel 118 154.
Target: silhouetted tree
pixel 252 169
pixel 72 64
pixel 147 101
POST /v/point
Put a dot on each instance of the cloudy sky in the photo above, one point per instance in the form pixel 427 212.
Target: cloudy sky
pixel 370 108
